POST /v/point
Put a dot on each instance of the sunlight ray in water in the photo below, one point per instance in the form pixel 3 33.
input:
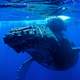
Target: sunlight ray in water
pixel 64 17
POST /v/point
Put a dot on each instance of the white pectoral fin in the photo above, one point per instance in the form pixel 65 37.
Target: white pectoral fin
pixel 21 75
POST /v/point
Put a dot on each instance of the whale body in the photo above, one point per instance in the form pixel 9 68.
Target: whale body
pixel 46 45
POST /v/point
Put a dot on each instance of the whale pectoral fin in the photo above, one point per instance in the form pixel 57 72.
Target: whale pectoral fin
pixel 76 49
pixel 21 74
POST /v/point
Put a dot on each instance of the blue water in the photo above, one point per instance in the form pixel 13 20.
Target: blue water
pixel 10 61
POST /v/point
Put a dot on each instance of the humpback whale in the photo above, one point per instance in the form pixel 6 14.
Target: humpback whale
pixel 46 45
